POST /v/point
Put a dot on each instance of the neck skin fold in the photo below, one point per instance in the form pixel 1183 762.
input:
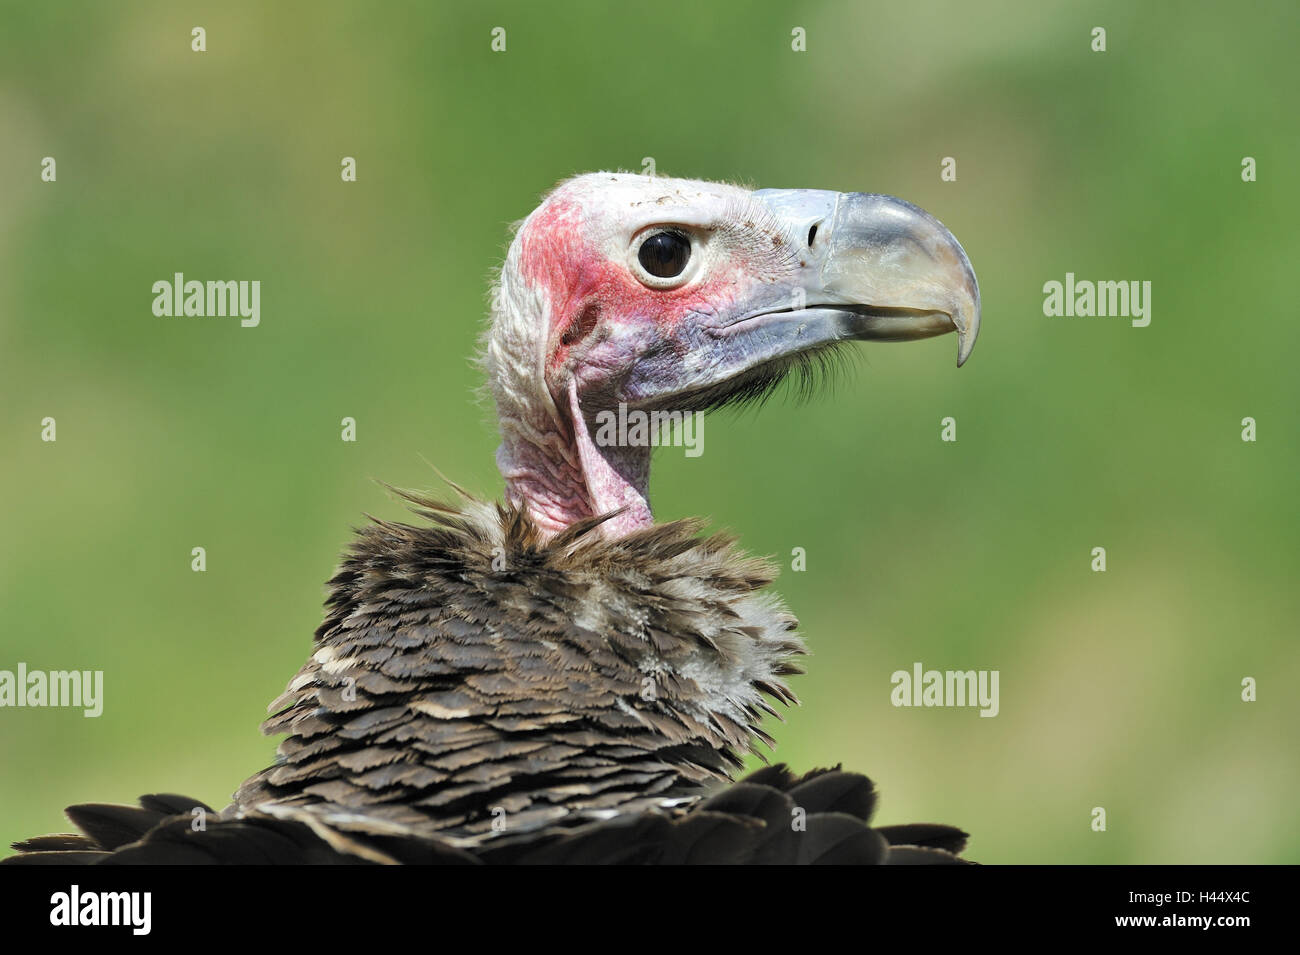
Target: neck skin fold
pixel 561 478
pixel 552 466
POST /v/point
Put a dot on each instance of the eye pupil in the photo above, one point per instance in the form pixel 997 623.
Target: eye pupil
pixel 665 254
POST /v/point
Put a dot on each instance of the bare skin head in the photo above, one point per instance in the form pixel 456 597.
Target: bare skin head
pixel 677 295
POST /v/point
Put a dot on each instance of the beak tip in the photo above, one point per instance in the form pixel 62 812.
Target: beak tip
pixel 965 345
pixel 967 332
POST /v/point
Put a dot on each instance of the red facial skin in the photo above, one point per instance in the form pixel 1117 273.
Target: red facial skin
pixel 585 287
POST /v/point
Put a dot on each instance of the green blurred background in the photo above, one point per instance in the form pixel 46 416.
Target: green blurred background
pixel 1119 690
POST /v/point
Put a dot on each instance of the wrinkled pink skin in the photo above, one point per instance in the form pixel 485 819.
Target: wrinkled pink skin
pixel 601 319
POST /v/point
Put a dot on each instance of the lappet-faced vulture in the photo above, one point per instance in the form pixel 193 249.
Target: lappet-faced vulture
pixel 558 678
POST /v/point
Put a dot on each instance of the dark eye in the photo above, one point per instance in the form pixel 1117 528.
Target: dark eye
pixel 665 254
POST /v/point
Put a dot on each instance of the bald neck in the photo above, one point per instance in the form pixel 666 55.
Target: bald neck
pixel 552 466
pixel 554 470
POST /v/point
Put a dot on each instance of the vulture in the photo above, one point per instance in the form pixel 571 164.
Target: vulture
pixel 557 678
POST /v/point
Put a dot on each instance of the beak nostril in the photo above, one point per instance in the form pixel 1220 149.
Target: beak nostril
pixel 812 235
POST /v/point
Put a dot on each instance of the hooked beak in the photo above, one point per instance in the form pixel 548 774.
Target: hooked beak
pixel 876 268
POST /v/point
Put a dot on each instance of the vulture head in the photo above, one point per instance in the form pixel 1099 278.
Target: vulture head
pixel 680 296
